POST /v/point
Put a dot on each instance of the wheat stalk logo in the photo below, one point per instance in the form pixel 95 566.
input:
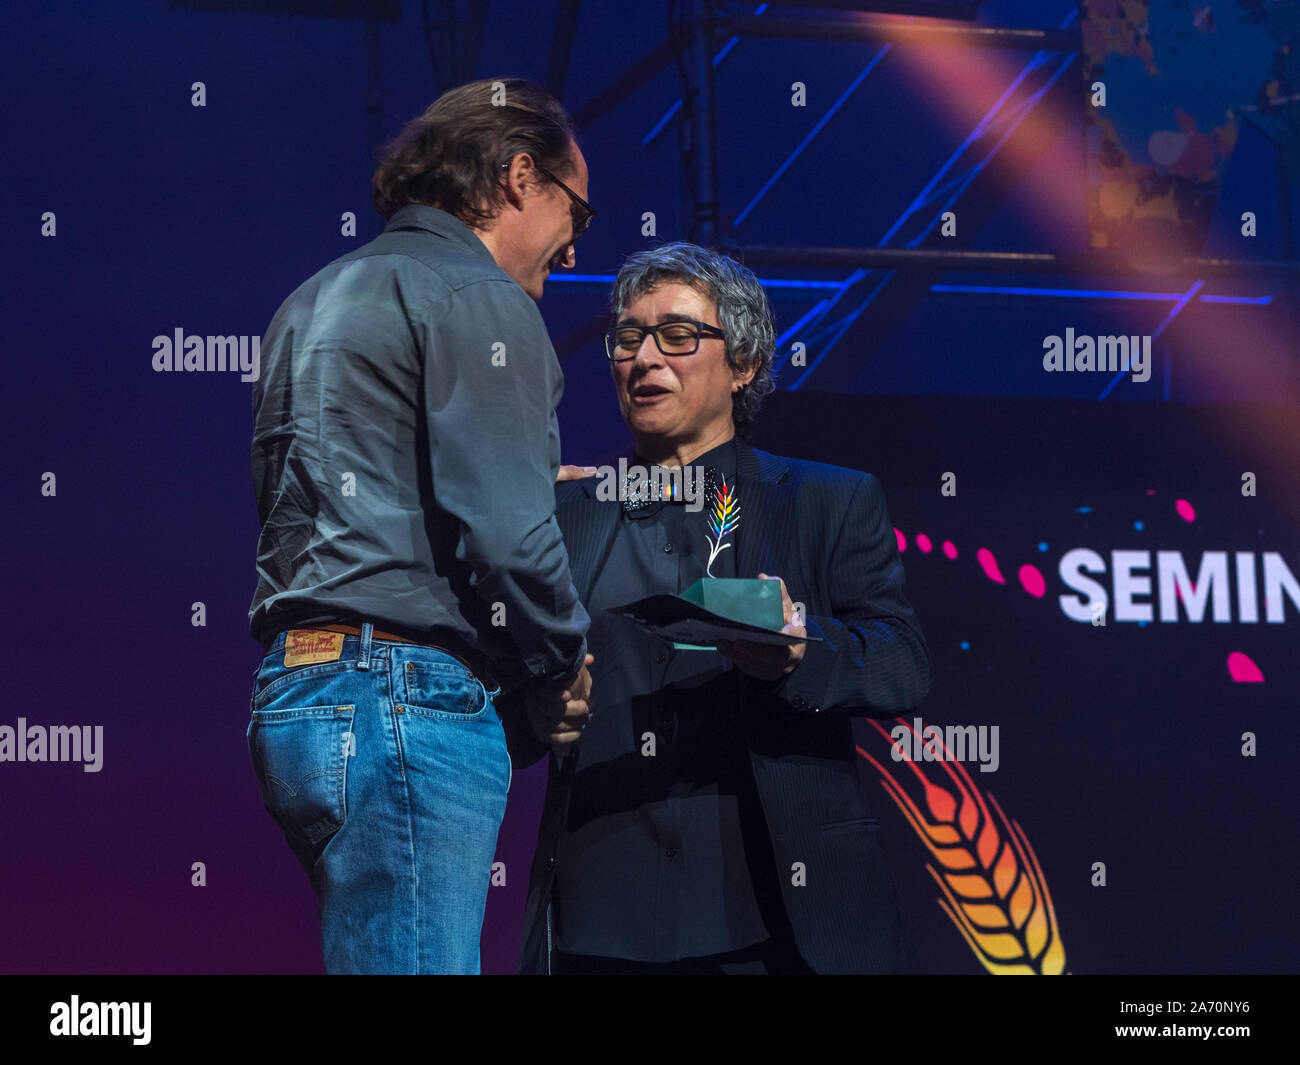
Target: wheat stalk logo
pixel 723 519
pixel 993 887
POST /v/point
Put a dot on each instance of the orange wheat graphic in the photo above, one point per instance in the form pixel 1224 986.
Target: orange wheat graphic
pixel 993 888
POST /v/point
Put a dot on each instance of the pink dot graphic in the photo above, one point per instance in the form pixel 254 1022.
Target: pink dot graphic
pixel 950 549
pixel 1032 581
pixel 923 542
pixel 1243 670
pixel 990 565
pixel 902 540
pixel 1185 510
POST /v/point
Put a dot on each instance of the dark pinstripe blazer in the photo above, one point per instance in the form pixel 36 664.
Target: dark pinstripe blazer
pixel 826 531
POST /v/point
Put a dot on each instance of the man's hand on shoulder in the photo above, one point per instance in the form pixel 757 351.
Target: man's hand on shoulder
pixel 770 661
pixel 575 473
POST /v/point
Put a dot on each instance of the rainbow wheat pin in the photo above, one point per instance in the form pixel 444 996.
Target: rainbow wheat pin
pixel 723 519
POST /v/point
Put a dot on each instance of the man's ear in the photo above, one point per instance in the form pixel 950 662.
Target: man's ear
pixel 517 177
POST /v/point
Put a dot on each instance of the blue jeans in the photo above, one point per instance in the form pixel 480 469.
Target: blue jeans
pixel 387 770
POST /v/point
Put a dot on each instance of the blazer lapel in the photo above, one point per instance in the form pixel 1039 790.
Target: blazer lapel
pixel 763 491
pixel 593 524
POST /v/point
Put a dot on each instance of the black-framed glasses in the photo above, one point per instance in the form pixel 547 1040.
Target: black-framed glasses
pixel 579 210
pixel 680 337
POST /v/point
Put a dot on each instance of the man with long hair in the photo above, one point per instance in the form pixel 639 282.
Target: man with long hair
pixel 405 448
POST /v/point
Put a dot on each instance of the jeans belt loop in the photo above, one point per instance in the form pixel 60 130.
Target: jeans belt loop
pixel 367 633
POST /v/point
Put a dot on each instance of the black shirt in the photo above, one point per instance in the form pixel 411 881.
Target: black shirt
pixel 664 855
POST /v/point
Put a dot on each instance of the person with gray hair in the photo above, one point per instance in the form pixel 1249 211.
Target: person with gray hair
pixel 742 309
pixel 709 819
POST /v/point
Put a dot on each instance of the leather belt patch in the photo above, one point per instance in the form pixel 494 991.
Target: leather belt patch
pixel 302 647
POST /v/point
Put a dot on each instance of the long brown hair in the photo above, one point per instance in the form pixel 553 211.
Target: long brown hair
pixel 451 156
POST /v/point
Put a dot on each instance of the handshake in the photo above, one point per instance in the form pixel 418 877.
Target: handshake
pixel 558 715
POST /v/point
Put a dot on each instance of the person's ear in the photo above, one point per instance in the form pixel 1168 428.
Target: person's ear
pixel 740 378
pixel 519 173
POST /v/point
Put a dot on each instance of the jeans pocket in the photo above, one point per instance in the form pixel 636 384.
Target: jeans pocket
pixel 280 684
pixel 443 689
pixel 301 757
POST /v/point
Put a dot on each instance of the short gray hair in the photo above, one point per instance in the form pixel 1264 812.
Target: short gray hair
pixel 743 312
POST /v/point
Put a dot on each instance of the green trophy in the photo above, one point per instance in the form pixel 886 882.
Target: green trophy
pixel 749 600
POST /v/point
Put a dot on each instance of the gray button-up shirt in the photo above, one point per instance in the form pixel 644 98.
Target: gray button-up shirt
pixel 404 455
